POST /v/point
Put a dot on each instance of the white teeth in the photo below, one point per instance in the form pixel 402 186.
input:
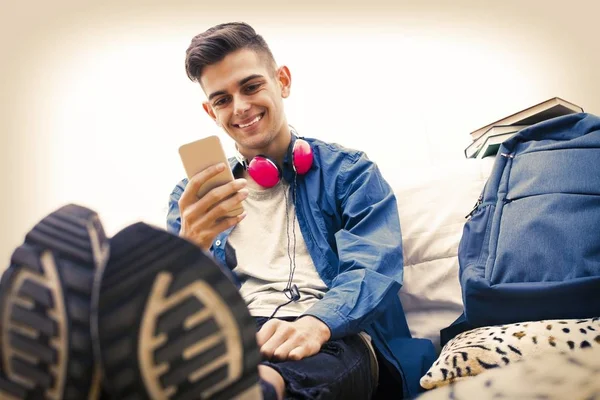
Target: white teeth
pixel 255 120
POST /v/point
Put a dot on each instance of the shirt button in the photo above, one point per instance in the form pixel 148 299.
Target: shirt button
pixel 218 243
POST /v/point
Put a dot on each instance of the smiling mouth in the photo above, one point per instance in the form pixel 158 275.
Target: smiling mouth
pixel 254 121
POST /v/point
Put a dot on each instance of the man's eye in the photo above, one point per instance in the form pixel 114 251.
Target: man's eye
pixel 220 102
pixel 252 88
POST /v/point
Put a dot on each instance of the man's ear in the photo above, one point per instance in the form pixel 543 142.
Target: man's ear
pixel 211 113
pixel 209 110
pixel 284 77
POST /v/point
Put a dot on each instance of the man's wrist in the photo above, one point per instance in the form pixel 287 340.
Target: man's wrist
pixel 318 326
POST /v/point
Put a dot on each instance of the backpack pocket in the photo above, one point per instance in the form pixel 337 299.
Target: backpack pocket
pixel 548 230
pixel 473 247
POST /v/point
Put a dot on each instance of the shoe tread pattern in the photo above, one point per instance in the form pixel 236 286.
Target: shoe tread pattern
pixel 46 351
pixel 170 322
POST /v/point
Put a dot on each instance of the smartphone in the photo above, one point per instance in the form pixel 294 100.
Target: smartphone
pixel 201 154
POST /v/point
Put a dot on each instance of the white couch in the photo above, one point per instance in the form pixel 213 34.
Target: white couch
pixel 432 205
pixel 432 216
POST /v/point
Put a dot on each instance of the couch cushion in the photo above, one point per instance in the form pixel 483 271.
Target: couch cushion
pixel 432 214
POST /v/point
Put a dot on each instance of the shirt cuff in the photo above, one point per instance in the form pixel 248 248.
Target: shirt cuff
pixel 330 317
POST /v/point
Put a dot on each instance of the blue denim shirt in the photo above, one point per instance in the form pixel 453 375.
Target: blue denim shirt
pixel 349 220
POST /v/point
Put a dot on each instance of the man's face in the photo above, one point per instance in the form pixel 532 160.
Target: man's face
pixel 245 96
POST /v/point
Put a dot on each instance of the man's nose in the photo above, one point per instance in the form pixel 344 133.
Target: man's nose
pixel 241 105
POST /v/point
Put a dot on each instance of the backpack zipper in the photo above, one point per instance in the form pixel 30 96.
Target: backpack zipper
pixel 479 201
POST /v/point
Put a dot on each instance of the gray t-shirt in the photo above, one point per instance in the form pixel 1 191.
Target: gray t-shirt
pixel 267 252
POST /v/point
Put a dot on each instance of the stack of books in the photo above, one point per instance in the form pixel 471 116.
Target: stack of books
pixel 487 139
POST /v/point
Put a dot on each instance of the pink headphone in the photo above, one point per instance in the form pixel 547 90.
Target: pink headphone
pixel 267 173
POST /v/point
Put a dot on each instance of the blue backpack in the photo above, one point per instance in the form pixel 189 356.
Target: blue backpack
pixel 530 249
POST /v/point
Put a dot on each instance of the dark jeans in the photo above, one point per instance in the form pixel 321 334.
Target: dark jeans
pixel 341 370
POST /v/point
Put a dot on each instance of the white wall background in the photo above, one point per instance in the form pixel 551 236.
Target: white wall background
pixel 94 100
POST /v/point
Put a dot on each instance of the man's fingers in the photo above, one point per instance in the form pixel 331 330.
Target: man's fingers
pixel 283 341
pixel 291 349
pixel 220 209
pixel 284 349
pixel 279 337
pixel 215 204
pixel 196 181
pixel 298 353
pixel 223 192
pixel 267 330
pixel 217 198
pixel 268 349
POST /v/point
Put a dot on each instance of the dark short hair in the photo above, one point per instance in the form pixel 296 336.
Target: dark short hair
pixel 214 44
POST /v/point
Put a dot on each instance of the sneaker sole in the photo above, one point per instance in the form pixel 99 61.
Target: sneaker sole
pixel 171 325
pixel 45 303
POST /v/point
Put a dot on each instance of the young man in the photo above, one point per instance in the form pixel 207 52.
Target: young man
pixel 318 256
pixel 150 314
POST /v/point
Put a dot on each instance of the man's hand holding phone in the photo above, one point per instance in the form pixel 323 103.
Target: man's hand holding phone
pixel 202 219
pixel 212 199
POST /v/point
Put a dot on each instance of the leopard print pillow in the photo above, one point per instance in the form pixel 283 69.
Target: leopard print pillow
pixel 548 376
pixel 481 349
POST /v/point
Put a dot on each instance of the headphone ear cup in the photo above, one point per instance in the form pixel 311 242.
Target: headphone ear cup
pixel 302 156
pixel 264 171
